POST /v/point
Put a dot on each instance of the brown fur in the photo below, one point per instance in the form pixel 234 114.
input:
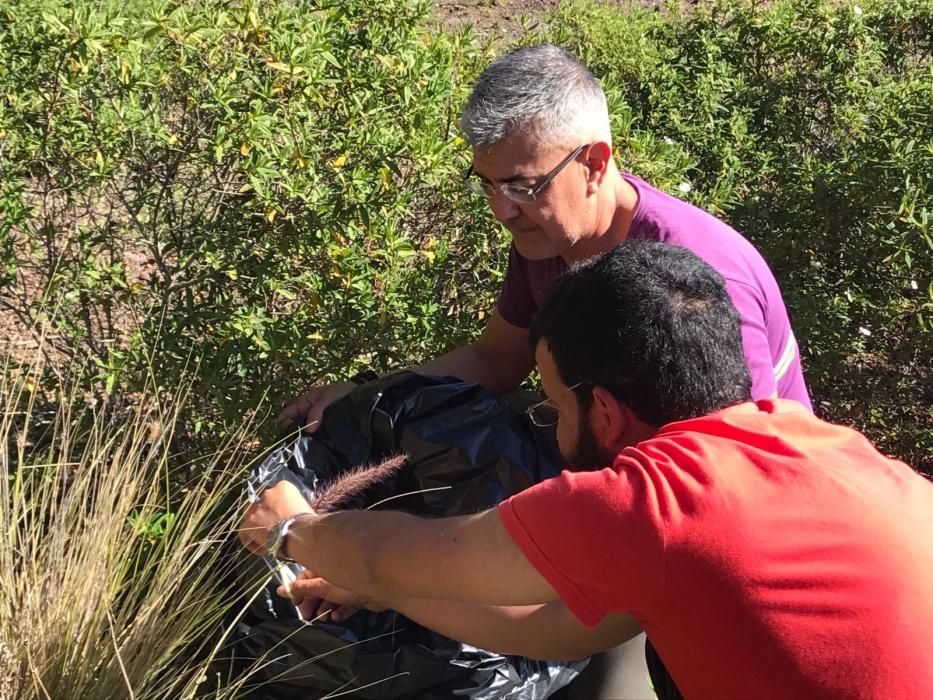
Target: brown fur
pixel 346 487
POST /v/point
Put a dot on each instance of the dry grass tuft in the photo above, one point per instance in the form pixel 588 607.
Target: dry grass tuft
pixel 112 568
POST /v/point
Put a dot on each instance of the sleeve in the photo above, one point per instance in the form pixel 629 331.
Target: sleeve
pixel 755 344
pixel 594 537
pixel 516 303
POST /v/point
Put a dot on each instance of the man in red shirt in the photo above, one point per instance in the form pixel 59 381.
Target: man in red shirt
pixel 766 553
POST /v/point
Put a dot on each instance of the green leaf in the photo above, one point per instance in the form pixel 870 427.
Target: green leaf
pixel 331 59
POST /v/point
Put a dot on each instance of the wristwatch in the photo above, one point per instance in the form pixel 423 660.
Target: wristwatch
pixel 275 544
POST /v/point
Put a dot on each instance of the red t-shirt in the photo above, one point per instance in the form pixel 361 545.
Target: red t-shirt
pixel 766 553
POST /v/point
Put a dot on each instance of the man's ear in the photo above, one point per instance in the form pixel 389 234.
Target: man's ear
pixel 610 419
pixel 598 155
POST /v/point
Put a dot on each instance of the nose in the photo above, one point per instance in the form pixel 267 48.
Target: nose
pixel 503 208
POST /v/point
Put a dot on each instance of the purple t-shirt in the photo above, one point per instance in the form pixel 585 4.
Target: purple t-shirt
pixel 770 348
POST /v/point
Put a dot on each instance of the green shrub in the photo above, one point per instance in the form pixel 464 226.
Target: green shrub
pixel 808 125
pixel 270 193
pixel 260 187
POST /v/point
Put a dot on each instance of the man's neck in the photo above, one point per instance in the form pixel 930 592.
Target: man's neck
pixel 616 207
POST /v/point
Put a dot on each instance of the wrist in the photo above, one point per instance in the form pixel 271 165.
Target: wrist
pixel 281 544
pixel 298 543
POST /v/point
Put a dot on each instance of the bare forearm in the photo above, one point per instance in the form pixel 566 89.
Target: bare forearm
pixel 499 358
pixel 393 556
pixel 337 548
pixel 470 365
pixel 372 553
pixel 518 630
pixel 548 632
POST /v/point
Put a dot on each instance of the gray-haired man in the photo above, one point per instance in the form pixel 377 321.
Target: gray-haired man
pixel 538 124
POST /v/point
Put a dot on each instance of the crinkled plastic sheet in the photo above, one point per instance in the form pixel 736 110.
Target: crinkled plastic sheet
pixel 468 449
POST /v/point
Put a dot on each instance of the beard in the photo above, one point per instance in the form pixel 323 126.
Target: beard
pixel 586 454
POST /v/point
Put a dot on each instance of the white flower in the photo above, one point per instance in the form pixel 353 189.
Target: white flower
pixel 857 10
pixel 864 331
pixel 685 187
pixel 668 140
pixel 913 285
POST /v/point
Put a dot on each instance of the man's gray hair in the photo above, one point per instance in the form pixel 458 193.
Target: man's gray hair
pixel 541 90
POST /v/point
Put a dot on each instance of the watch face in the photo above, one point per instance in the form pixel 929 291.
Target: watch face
pixel 276 541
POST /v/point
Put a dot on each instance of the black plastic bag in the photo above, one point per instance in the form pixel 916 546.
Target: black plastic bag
pixel 468 449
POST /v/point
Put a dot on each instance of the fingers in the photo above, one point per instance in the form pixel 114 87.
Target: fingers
pixel 325 609
pixel 318 610
pixel 343 612
pixel 251 536
pixel 312 419
pixel 294 411
pixel 308 408
pixel 251 546
pixel 319 600
pixel 297 409
pixel 320 398
pixel 314 609
pixel 308 607
pixel 312 588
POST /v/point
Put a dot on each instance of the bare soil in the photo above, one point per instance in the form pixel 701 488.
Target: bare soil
pixel 499 17
pixel 504 19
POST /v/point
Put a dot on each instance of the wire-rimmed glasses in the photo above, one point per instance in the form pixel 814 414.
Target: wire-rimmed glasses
pixel 517 193
pixel 544 414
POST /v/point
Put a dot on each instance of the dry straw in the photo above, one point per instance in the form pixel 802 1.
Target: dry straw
pixel 114 572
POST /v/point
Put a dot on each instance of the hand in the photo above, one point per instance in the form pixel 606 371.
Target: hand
pixel 277 502
pixel 317 599
pixel 308 408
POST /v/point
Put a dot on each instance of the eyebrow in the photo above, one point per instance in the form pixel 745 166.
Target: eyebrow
pixel 517 178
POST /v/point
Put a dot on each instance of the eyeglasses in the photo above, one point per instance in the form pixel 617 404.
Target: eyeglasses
pixel 544 414
pixel 517 193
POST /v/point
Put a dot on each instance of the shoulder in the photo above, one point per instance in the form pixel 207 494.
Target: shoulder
pixel 679 222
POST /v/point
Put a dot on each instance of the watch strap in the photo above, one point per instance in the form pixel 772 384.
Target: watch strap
pixel 275 545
